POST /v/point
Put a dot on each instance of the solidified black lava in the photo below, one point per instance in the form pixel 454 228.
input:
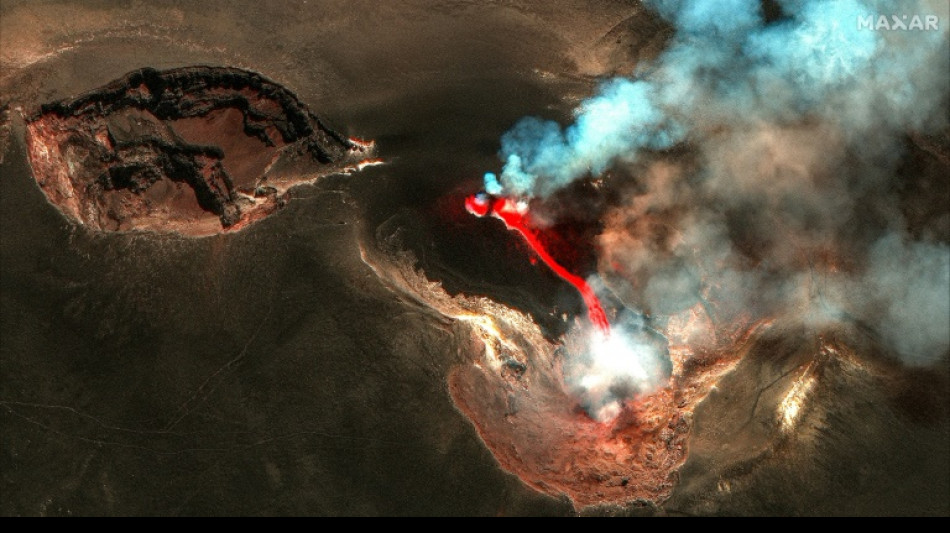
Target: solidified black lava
pixel 195 150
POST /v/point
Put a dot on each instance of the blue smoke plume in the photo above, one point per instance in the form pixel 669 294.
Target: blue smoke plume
pixel 798 124
pixel 726 65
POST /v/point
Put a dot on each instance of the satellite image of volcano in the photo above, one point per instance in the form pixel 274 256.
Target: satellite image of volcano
pixel 433 257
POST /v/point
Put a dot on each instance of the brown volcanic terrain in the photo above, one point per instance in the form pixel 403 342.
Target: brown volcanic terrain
pixel 275 371
pixel 538 431
pixel 195 150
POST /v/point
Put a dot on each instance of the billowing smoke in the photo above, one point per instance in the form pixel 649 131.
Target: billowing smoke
pixel 910 281
pixel 605 369
pixel 791 127
pixel 541 157
pixel 728 67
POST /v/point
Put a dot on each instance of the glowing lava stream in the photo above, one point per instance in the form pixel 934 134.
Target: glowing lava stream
pixel 513 215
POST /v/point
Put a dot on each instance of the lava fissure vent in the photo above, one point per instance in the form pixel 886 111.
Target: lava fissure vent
pixel 761 176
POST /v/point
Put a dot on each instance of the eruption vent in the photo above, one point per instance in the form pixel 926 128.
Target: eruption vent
pixel 513 214
pixel 768 160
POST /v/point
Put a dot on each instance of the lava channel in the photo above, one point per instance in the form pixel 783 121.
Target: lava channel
pixel 514 215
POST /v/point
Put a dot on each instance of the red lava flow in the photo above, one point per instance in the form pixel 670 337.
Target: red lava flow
pixel 534 426
pixel 514 218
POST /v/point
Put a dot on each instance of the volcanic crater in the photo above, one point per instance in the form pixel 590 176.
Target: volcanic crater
pixel 195 151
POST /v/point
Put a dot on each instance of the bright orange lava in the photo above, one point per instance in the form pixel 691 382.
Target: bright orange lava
pixel 514 218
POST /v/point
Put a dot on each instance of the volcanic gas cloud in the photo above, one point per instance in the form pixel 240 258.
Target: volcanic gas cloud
pixel 779 161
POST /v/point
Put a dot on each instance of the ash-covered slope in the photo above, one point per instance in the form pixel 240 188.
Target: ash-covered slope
pixel 195 150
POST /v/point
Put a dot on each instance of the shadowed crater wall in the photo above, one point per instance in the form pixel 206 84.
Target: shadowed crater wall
pixel 196 150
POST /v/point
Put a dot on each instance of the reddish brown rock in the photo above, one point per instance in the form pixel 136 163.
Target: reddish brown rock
pixel 537 430
pixel 196 151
